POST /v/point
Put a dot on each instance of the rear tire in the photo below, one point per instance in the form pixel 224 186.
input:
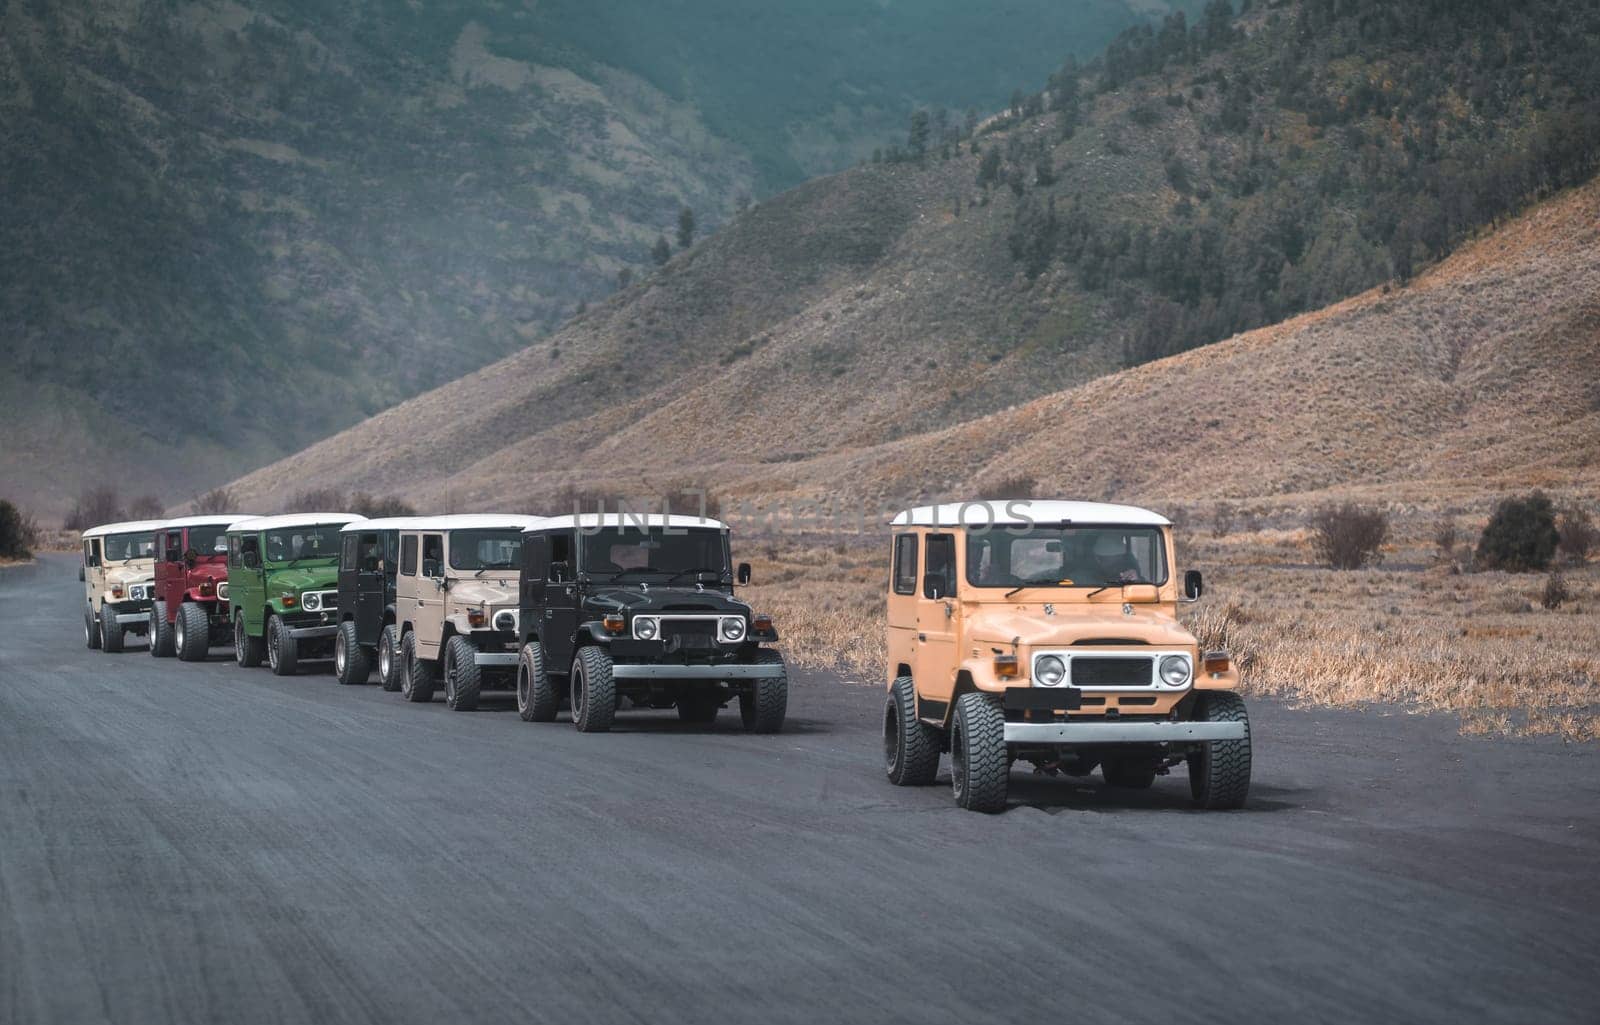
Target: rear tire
pixel 1129 773
pixel 161 634
pixel 283 652
pixel 910 746
pixel 110 633
pixel 418 676
pixel 1219 773
pixel 194 632
pixel 537 699
pixel 763 704
pixel 350 663
pixel 699 706
pixel 389 668
pixel 979 771
pixel 594 691
pixel 462 680
pixel 247 650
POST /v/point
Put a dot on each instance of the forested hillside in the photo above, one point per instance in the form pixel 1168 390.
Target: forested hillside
pixel 231 228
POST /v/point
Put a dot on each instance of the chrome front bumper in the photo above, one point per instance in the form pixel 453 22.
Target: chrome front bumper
pixel 133 619
pixel 495 658
pixel 651 671
pixel 1122 732
pixel 308 633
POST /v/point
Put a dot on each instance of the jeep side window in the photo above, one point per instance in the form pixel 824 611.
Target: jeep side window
pixel 408 555
pixel 233 549
pixel 371 553
pixel 432 555
pixel 941 571
pixel 347 553
pixel 173 550
pixel 905 564
pixel 91 552
pixel 560 553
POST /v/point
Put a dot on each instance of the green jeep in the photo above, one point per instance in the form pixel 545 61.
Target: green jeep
pixel 283 580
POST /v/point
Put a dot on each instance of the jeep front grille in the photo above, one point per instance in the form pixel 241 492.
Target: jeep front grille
pixel 1112 672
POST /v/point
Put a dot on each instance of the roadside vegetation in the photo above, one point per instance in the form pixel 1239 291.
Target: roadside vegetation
pixel 19 534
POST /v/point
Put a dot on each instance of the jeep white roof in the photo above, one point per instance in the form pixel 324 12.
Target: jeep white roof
pixel 126 527
pixel 206 521
pixel 1024 512
pixel 473 521
pixel 384 523
pixel 590 521
pixel 293 520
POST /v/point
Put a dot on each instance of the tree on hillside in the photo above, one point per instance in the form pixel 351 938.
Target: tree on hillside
pixel 217 500
pixel 624 278
pixel 146 507
pixel 989 166
pixel 1216 25
pixel 96 505
pixel 917 137
pixel 661 252
pixel 685 228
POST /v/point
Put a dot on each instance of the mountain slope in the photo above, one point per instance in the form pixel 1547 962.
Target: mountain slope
pixel 233 228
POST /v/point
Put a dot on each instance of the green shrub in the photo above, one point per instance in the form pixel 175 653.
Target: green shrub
pixel 1521 535
pixel 18 534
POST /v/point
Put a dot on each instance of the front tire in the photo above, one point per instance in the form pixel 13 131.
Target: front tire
pixel 910 746
pixel 1219 773
pixel 462 680
pixel 161 633
pixel 194 633
pixel 389 659
pixel 594 691
pixel 764 703
pixel 350 663
pixel 247 650
pixel 979 770
pixel 418 677
pixel 537 699
pixel 283 652
pixel 110 633
pixel 91 631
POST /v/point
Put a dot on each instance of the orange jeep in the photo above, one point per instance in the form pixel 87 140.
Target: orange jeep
pixel 1048 632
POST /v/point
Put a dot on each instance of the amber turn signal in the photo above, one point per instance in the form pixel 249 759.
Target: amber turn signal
pixel 116 590
pixel 761 624
pixel 613 623
pixel 1006 666
pixel 289 600
pixel 475 617
pixel 205 587
pixel 1215 662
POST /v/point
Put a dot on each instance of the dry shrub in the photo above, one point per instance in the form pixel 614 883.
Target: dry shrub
pixel 1576 535
pixel 375 507
pixel 315 500
pixel 96 505
pixel 1015 488
pixel 1555 591
pixel 1220 627
pixel 1445 539
pixel 146 507
pixel 1348 536
pixel 217 500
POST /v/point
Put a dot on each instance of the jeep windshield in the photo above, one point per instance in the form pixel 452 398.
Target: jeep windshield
pixel 614 553
pixel 299 544
pixel 122 547
pixel 1044 556
pixel 485 549
pixel 203 540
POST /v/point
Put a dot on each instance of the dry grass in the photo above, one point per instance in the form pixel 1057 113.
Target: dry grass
pixel 1420 633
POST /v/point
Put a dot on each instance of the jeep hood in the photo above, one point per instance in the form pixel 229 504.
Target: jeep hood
pixel 136 572
pixel 483 591
pixel 301 578
pixel 1077 621
pixel 664 599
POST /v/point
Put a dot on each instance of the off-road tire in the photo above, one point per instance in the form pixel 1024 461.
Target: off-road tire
pixel 537 699
pixel 111 634
pixel 699 706
pixel 390 668
pixel 979 770
pixel 1129 773
pixel 247 650
pixel 910 746
pixel 161 642
pixel 350 664
pixel 91 630
pixel 763 704
pixel 462 680
pixel 283 652
pixel 194 633
pixel 1219 773
pixel 418 676
pixel 594 691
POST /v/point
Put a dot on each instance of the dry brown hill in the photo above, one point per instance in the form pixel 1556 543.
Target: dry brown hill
pixel 1482 375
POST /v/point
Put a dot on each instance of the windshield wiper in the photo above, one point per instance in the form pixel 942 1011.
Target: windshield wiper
pixel 697 570
pixel 1032 583
pixel 619 574
pixel 1116 583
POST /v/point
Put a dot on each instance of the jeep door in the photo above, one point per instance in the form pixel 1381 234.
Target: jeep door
pixel 561 596
pixel 934 660
pixel 94 577
pixel 361 583
pixel 904 561
pixel 247 584
pixel 427 617
pixel 169 571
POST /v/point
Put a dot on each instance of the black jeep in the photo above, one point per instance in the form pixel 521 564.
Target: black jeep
pixel 368 557
pixel 641 608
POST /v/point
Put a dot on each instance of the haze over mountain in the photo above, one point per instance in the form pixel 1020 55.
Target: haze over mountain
pixel 232 228
pixel 936 326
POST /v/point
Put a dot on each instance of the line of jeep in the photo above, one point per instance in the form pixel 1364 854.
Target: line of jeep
pixel 1039 632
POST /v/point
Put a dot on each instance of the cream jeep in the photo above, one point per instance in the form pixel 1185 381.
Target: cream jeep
pixel 119 580
pixel 456 605
pixel 1048 632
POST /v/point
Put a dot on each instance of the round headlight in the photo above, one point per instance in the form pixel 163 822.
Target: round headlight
pixel 1049 671
pixel 311 601
pixel 733 628
pixel 646 628
pixel 1175 670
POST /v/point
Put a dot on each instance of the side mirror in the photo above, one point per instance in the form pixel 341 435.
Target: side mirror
pixel 1193 586
pixel 80 573
pixel 559 571
pixel 250 560
pixel 744 573
pixel 934 586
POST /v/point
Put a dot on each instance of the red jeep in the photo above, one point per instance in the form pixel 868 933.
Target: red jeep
pixel 191 576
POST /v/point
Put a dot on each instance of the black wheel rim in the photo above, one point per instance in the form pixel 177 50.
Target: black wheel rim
pixel 523 696
pixel 891 735
pixel 578 693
